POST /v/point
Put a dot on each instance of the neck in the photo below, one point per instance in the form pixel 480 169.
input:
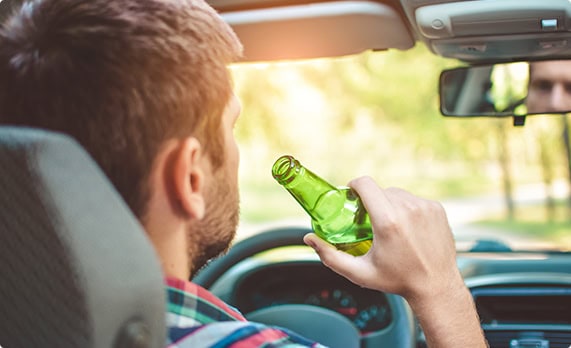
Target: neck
pixel 170 243
pixel 164 226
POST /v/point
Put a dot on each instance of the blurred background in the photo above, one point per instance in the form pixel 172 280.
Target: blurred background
pixel 378 114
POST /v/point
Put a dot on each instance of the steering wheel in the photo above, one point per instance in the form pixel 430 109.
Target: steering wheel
pixel 323 325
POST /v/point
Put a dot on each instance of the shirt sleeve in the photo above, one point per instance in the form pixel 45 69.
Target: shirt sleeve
pixel 237 335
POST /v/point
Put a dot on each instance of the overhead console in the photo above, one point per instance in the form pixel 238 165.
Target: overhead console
pixel 484 30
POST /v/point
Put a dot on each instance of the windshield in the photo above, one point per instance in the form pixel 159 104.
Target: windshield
pixel 377 114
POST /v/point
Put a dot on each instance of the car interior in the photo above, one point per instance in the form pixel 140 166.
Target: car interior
pixel 523 297
pixel 56 284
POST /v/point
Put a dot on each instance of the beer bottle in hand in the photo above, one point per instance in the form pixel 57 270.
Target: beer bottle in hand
pixel 337 214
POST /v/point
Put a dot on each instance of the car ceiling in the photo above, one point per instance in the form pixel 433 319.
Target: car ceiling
pixel 471 30
pixel 474 31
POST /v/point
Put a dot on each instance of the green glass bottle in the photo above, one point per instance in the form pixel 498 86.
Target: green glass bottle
pixel 337 214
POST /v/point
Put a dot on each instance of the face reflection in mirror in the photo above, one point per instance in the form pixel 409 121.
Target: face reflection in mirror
pixel 486 90
pixel 549 87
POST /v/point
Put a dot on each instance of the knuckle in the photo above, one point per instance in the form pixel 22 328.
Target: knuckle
pixel 393 190
pixel 416 210
pixel 362 180
pixel 390 223
pixel 435 207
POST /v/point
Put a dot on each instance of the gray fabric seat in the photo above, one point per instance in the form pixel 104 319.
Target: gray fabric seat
pixel 76 267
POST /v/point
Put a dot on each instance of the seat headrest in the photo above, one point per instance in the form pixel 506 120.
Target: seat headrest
pixel 7 7
pixel 77 269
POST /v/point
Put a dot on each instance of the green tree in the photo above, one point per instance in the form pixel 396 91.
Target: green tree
pixel 379 113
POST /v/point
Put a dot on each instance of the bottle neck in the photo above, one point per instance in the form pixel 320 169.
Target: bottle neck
pixel 286 169
pixel 305 186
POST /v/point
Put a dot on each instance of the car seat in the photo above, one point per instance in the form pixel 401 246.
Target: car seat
pixel 76 268
pixel 7 7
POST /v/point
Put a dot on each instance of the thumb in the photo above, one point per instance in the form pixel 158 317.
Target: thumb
pixel 340 262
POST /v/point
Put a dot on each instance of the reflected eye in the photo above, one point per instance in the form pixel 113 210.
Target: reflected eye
pixel 542 85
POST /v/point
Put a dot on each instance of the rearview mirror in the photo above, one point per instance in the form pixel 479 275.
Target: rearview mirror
pixel 507 89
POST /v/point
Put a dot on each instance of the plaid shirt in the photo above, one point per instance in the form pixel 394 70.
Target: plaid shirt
pixel 198 319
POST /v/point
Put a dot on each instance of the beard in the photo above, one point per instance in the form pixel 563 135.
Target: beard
pixel 212 236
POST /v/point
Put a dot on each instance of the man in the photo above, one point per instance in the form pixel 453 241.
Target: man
pixel 549 87
pixel 143 86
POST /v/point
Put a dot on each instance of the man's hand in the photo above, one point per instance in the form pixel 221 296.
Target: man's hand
pixel 413 255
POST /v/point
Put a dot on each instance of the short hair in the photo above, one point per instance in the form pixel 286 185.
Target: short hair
pixel 121 77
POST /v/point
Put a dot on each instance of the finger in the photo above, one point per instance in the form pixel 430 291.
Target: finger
pixel 372 195
pixel 316 243
pixel 378 203
pixel 404 199
pixel 351 267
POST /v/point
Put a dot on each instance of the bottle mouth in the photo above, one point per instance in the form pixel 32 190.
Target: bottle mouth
pixel 284 169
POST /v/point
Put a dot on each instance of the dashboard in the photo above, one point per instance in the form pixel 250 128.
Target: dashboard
pixel 523 299
pixel 313 284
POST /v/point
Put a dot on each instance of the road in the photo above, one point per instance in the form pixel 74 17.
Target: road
pixel 462 213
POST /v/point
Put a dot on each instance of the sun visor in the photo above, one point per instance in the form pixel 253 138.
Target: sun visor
pixel 325 29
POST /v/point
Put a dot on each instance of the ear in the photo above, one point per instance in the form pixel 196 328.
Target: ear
pixel 188 173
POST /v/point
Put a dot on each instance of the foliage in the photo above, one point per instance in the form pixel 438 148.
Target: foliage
pixel 377 114
pixel 536 222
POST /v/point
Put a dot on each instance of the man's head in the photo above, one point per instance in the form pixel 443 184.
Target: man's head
pixel 549 87
pixel 131 80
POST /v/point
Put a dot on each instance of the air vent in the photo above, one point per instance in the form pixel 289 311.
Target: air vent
pixel 525 315
pixel 524 306
pixel 502 339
